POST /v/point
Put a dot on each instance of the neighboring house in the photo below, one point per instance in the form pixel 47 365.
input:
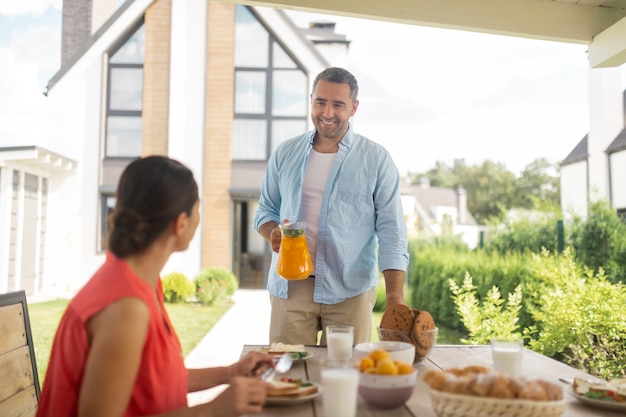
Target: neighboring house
pixel 596 167
pixel 435 211
pixel 217 86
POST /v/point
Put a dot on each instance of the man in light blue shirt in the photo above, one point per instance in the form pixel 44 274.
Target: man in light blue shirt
pixel 346 188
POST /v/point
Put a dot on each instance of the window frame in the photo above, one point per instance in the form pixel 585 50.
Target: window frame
pixel 108 111
pixel 268 71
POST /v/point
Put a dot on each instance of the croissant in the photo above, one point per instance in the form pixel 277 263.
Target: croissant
pixel 480 381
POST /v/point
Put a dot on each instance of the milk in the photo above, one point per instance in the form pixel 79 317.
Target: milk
pixel 339 391
pixel 339 346
pixel 507 357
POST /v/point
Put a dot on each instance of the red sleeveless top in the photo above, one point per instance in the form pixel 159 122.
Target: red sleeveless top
pixel 161 383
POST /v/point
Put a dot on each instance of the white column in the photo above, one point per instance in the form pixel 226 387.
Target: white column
pixel 6 196
pixel 606 120
pixel 187 108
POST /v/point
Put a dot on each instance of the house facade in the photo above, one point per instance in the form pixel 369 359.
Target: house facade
pixel 432 212
pixel 217 86
pixel 596 168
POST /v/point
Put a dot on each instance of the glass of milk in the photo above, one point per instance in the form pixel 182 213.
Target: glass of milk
pixel 339 391
pixel 507 356
pixel 339 340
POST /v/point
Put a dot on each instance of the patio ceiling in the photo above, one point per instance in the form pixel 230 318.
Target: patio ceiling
pixel 601 24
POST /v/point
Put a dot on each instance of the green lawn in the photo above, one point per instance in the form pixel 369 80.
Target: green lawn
pixel 191 322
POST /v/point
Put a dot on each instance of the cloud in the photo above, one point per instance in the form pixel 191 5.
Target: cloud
pixel 28 7
pixel 22 108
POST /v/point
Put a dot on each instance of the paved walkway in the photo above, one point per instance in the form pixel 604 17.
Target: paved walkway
pixel 246 322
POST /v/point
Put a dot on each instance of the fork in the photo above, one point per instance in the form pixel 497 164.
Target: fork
pixel 282 365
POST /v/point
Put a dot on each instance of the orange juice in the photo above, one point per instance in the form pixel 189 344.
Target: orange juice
pixel 294 260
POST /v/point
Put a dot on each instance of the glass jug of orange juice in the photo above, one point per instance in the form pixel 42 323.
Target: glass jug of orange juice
pixel 294 260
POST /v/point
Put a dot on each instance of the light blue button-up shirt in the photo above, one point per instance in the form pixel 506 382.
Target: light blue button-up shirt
pixel 361 214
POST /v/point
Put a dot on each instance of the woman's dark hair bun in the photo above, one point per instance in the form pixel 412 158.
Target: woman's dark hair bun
pixel 152 192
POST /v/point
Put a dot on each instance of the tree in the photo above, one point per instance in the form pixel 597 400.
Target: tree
pixel 492 189
pixel 539 185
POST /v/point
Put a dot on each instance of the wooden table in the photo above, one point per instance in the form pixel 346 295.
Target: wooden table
pixel 534 365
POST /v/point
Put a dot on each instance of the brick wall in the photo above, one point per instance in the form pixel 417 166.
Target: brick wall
pixel 156 78
pixel 216 202
pixel 76 27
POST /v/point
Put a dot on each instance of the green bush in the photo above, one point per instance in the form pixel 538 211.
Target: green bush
pixel 433 267
pixel 528 233
pixel 177 288
pixel 579 316
pixel 490 317
pixel 600 241
pixel 215 286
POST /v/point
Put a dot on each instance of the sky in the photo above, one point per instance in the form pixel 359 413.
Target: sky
pixel 426 94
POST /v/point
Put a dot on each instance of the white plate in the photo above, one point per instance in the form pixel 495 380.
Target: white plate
pixel 293 400
pixel 607 405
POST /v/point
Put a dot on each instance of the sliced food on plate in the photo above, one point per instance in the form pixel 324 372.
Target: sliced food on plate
pixel 613 390
pixel 290 387
pixel 298 351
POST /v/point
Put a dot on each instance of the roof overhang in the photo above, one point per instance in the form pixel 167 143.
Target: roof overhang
pixel 601 24
pixel 35 159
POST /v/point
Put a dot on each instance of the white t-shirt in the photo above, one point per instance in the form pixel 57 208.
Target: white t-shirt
pixel 312 193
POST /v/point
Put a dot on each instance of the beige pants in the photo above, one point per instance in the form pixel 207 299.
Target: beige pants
pixel 298 319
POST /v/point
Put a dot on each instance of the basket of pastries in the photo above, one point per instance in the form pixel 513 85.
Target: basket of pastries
pixel 478 391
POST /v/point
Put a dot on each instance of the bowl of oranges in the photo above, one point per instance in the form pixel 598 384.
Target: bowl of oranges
pixel 400 351
pixel 385 382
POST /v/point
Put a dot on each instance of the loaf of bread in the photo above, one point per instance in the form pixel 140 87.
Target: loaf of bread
pixel 481 381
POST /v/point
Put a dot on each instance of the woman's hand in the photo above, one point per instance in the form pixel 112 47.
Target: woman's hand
pixel 243 396
pixel 253 364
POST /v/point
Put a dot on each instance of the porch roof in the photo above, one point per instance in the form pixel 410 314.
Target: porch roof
pixel 35 159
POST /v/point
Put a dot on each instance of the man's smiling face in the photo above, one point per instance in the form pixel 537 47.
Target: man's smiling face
pixel 331 109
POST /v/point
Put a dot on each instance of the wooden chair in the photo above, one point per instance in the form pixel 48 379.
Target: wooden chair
pixel 19 383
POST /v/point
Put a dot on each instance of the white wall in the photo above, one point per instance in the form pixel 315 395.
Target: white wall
pixel 75 124
pixel 574 190
pixel 469 234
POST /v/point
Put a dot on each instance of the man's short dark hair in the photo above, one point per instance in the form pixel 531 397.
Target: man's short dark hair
pixel 341 76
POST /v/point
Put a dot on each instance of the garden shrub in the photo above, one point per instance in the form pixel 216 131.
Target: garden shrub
pixel 489 317
pixel 432 268
pixel 579 316
pixel 177 288
pixel 600 241
pixel 215 286
pixel 530 232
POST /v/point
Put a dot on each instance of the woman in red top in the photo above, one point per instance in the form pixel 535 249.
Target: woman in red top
pixel 115 352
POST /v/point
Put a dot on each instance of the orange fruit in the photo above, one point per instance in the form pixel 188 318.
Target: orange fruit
pixel 370 371
pixel 386 367
pixel 378 354
pixel 366 363
pixel 405 368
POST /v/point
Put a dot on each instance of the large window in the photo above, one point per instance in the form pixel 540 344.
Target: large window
pixel 124 97
pixel 270 91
